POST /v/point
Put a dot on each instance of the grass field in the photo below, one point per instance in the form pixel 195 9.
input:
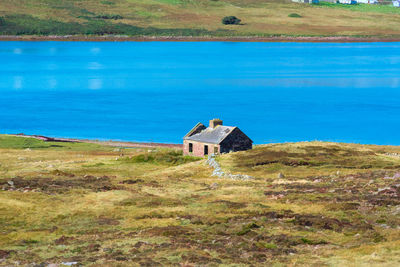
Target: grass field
pixel 309 204
pixel 195 18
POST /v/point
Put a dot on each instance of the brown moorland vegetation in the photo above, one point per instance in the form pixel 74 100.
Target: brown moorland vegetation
pixel 308 203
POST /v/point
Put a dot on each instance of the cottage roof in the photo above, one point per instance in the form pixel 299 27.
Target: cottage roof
pixel 211 135
pixel 197 128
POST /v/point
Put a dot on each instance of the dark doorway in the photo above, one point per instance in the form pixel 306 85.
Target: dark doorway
pixel 205 150
pixel 190 147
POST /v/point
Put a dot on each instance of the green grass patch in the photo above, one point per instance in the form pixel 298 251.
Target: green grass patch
pixel 294 15
pixel 147 14
pixel 14 142
pixel 99 164
pixel 107 3
pixel 247 228
pixel 28 25
pixel 109 16
pixel 165 157
pixel 266 245
pixel 172 2
pixel 306 241
pixel 377 8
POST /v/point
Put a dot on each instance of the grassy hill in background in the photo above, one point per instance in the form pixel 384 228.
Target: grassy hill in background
pixel 195 18
pixel 308 204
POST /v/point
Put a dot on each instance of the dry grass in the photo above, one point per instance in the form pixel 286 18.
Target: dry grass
pixel 312 158
pixel 105 207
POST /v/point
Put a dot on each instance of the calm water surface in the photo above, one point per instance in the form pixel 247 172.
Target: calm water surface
pixel 156 91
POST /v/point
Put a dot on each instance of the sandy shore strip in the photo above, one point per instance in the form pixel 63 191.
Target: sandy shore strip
pixel 122 38
pixel 100 142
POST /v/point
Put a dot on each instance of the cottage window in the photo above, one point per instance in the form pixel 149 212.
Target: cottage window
pixel 215 150
pixel 190 147
pixel 206 150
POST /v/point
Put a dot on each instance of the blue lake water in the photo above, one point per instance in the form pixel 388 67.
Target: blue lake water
pixel 157 91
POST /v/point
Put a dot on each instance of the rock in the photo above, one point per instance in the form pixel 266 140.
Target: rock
pixel 396 210
pixel 219 173
pixel 69 263
pixel 383 189
pixel 11 183
pixel 395 176
pixel 235 176
pixel 247 177
pixel 28 149
pixel 280 175
pixel 338 173
pixel 214 186
pixel 384 226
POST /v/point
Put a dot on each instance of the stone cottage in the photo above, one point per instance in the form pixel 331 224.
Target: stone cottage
pixel 307 1
pixel 215 139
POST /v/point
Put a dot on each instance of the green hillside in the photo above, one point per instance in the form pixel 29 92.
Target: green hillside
pixel 195 18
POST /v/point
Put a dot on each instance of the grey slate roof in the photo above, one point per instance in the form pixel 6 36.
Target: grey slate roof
pixel 212 135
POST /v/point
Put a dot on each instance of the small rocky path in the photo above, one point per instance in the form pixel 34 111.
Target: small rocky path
pixel 221 174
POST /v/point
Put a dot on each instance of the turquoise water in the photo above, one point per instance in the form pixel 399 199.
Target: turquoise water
pixel 157 91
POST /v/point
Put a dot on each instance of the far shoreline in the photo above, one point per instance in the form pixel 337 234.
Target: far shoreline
pixel 113 143
pixel 119 38
pixel 146 144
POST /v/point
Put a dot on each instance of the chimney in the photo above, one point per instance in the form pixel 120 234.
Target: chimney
pixel 215 122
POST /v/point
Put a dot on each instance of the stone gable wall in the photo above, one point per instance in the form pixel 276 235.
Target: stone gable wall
pixel 198 148
pixel 236 141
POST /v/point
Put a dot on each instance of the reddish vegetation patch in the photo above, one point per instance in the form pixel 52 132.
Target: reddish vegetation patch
pixel 64 240
pixel 59 185
pixel 320 222
pixel 93 247
pixel 313 156
pixel 379 188
pixel 132 181
pixel 4 253
pixel 173 231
